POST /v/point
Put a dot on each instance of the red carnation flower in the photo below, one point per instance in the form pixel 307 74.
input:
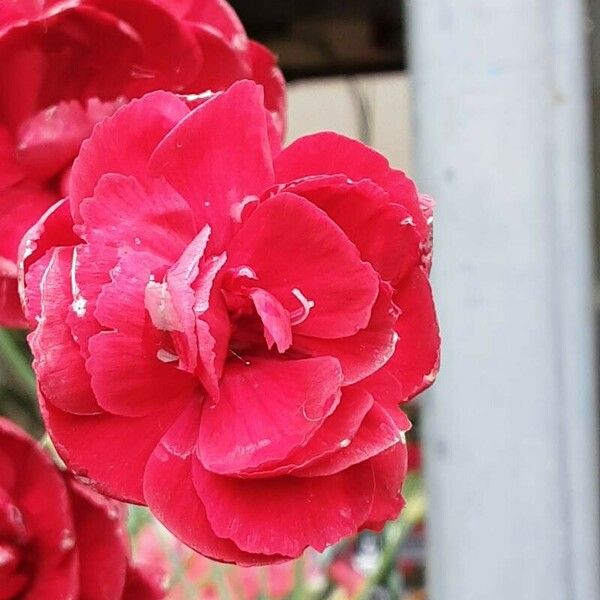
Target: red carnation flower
pixel 65 65
pixel 227 329
pixel 59 539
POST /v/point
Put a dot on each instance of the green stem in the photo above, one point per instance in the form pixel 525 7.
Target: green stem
pixel 218 577
pixel 396 534
pixel 17 366
pixel 299 592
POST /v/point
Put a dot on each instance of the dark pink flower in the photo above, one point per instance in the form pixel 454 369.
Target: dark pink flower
pixel 65 65
pixel 225 330
pixel 58 539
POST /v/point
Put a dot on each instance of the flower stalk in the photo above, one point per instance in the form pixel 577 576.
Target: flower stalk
pixel 16 367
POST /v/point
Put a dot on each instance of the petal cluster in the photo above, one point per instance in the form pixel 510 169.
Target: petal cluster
pixel 58 539
pixel 66 65
pixel 224 329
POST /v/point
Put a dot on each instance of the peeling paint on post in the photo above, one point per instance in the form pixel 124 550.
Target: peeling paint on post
pixel 502 143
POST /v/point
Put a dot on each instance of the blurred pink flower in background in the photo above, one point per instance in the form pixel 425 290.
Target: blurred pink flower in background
pixel 192 576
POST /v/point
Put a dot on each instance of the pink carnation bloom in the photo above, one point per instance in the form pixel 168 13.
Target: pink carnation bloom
pixel 65 65
pixel 225 329
pixel 58 539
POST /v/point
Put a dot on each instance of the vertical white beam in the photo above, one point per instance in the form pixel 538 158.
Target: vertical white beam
pixel 500 107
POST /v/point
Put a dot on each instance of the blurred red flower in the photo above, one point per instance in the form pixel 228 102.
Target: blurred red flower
pixel 65 65
pixel 59 539
pixel 226 331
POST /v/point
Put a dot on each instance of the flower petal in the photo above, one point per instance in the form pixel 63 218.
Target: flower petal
pixel 172 498
pixel 315 512
pixel 123 143
pixel 58 363
pixel 121 303
pixel 415 362
pixel 10 170
pixel 219 15
pixel 141 584
pixel 266 72
pixel 366 351
pixel 377 433
pixel 389 469
pixel 275 319
pixel 170 53
pixel 53 229
pixel 335 432
pixel 11 312
pixel 331 154
pixel 48 141
pixel 361 208
pixel 100 544
pixel 314 260
pixel 130 379
pixel 266 409
pixel 20 208
pixel 219 155
pixel 125 215
pixel 98 448
pixel 41 496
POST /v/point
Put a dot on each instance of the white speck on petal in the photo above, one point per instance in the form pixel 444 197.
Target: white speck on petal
pixel 166 356
pixel 429 220
pixel 407 221
pixel 345 443
pixel 137 241
pixel 79 306
pixel 67 540
pixel 79 302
